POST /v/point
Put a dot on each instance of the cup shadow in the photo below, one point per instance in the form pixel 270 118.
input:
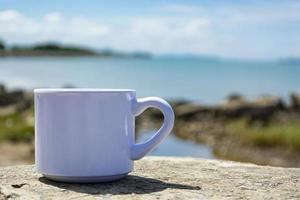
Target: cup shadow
pixel 128 185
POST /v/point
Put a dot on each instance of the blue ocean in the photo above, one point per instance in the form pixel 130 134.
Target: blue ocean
pixel 204 80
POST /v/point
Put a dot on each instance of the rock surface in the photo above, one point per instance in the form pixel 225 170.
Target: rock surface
pixel 163 178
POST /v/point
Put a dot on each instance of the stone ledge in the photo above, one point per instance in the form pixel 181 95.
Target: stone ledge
pixel 163 178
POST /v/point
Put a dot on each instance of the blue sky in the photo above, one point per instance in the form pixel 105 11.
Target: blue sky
pixel 242 29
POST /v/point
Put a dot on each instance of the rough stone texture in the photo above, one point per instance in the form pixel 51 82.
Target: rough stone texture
pixel 163 178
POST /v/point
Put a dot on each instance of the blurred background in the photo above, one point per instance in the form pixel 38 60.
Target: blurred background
pixel 230 69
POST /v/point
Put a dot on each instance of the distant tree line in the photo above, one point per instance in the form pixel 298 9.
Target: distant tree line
pixel 55 49
pixel 52 47
pixel 48 46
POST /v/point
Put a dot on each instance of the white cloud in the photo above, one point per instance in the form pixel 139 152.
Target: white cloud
pixel 87 28
pixel 253 11
pixel 162 35
pixel 10 15
pixel 260 13
pixel 246 29
pixel 13 22
pixel 53 17
pixel 17 28
pixel 144 33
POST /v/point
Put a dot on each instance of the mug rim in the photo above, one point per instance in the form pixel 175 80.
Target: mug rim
pixel 80 90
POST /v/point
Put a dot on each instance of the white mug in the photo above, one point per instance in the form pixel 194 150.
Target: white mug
pixel 87 135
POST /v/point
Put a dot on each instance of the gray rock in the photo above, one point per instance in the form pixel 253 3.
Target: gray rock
pixel 12 97
pixel 295 101
pixel 163 178
pixel 2 89
pixel 190 111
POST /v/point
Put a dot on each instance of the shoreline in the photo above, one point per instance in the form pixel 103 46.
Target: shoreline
pixel 56 49
pixel 41 54
pixel 240 130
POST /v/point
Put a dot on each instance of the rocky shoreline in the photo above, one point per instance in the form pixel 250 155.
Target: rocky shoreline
pixel 209 125
pixel 264 131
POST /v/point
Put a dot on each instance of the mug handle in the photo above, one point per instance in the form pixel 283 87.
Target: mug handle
pixel 140 105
